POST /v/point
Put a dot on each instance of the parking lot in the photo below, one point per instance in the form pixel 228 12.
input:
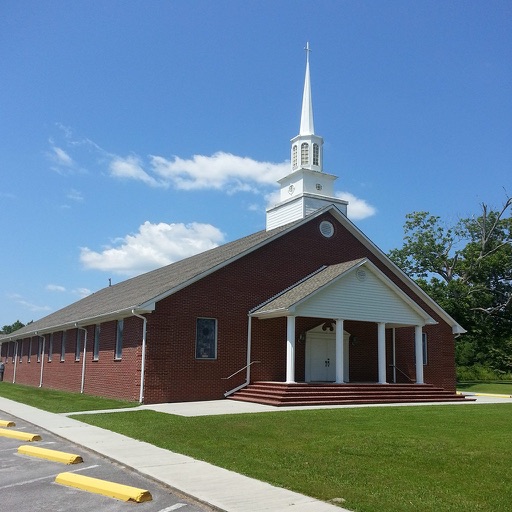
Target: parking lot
pixel 28 483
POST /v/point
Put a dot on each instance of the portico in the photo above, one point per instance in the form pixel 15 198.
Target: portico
pixel 354 291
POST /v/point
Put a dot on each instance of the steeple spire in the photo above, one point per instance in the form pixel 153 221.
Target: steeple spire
pixel 306 120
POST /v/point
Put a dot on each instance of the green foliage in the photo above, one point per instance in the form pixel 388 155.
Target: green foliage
pixel 388 459
pixel 467 269
pixel 7 329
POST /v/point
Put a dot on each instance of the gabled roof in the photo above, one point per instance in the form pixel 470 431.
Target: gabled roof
pixel 140 293
pixel 289 301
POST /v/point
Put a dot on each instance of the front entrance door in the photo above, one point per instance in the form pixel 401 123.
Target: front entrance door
pixel 321 355
pixel 320 358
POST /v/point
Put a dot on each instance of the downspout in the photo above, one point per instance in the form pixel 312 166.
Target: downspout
pixel 143 361
pixel 82 384
pixel 15 361
pixel 249 332
pixel 42 360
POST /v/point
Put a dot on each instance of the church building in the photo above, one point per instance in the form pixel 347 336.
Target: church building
pixel 308 310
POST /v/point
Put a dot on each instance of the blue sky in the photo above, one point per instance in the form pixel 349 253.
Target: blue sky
pixel 135 133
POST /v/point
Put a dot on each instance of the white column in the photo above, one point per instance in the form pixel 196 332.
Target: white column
pixel 381 333
pixel 290 349
pixel 339 351
pixel 418 349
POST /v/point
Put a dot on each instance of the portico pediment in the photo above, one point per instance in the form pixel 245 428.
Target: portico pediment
pixel 355 290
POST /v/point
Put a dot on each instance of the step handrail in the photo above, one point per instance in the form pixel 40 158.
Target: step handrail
pixel 241 370
pixel 402 372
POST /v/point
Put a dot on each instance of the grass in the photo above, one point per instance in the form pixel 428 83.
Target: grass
pixel 392 459
pixel 499 387
pixel 59 401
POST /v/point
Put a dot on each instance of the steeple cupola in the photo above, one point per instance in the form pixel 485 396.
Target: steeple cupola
pixel 306 188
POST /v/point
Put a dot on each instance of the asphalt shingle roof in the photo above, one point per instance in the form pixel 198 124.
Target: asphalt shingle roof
pixel 142 289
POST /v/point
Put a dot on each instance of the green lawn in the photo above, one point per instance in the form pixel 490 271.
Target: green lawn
pixel 501 388
pixel 391 459
pixel 58 401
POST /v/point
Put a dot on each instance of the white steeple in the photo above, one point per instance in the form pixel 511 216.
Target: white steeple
pixel 307 188
pixel 307 126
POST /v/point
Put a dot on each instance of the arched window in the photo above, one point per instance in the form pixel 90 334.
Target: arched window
pixel 316 154
pixel 294 156
pixel 304 154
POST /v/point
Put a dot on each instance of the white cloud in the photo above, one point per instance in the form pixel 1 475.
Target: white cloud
pixel 75 195
pixel 60 157
pixel 219 171
pixel 35 308
pixel 130 167
pixel 82 292
pixel 357 208
pixel 154 245
pixel 55 288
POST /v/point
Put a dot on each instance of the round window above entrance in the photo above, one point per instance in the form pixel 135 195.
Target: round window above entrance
pixel 326 228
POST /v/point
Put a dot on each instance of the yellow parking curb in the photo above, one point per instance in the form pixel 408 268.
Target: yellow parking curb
pixel 22 436
pixel 53 455
pixel 5 423
pixel 111 489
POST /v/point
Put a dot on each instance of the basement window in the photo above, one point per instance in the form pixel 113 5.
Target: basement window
pixel 206 338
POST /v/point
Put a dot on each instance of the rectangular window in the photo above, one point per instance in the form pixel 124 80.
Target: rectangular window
pixel 50 348
pixel 40 349
pixel 63 347
pixel 119 339
pixel 77 344
pixel 206 338
pixel 29 350
pixel 96 347
pixel 425 348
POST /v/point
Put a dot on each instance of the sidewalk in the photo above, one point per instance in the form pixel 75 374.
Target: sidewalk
pixel 217 487
pixel 214 486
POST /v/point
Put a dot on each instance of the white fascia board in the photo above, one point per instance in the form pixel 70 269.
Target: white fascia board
pixel 114 315
pixel 456 328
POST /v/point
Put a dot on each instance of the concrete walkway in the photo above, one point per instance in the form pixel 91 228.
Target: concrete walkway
pixel 217 487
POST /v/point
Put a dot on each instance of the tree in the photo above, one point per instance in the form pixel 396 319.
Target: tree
pixel 7 329
pixel 467 269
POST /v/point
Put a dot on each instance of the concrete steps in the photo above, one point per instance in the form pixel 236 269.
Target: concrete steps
pixel 282 394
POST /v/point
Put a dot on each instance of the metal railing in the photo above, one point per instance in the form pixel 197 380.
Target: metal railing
pixel 241 370
pixel 402 372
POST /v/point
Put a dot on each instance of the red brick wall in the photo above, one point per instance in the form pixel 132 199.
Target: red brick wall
pixel 104 377
pixel 228 295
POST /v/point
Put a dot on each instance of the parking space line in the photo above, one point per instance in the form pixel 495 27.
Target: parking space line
pixel 17 484
pixel 173 507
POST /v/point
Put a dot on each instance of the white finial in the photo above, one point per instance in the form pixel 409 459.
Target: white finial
pixel 306 119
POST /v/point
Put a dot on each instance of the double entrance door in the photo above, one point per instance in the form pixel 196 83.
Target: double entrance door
pixel 321 356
